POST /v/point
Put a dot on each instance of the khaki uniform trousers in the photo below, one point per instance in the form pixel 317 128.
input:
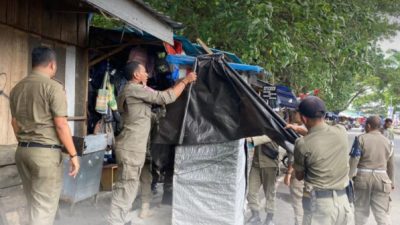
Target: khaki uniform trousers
pixel 145 183
pixel 296 194
pixel 265 177
pixel 372 191
pixel 335 210
pixel 130 165
pixel 41 174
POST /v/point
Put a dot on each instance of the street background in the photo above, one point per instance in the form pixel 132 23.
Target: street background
pixel 89 213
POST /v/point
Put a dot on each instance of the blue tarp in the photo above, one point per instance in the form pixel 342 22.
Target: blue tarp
pixel 189 60
pixel 286 98
pixel 196 50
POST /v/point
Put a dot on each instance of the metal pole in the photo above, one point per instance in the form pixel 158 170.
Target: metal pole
pixel 182 133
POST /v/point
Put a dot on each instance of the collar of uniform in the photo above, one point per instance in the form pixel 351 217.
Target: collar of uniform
pixel 375 132
pixel 137 84
pixel 317 128
pixel 39 74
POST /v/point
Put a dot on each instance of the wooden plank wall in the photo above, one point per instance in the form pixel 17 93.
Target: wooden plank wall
pixel 37 17
pixel 42 25
pixel 26 24
pixel 13 45
pixel 17 45
pixel 81 91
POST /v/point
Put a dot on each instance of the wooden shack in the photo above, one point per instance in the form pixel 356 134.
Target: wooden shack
pixel 63 25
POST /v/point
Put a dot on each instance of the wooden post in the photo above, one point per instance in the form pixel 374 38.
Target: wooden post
pixel 204 46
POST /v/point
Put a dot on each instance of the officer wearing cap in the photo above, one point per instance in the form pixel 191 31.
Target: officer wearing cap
pixel 264 169
pixel 39 119
pixel 134 104
pixel 372 166
pixel 321 159
pixel 387 131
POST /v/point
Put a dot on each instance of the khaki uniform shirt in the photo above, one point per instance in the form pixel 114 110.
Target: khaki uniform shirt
pixel 260 160
pixel 323 156
pixel 134 104
pixel 389 134
pixel 34 102
pixel 376 153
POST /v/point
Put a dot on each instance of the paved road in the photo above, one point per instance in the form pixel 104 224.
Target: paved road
pixel 87 214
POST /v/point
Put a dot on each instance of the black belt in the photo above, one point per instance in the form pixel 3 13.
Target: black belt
pixel 328 193
pixel 37 145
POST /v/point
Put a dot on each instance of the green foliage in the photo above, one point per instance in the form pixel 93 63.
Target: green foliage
pixel 306 44
pixel 105 22
pixel 383 88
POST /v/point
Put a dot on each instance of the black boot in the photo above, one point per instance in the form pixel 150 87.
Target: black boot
pixel 254 219
pixel 268 220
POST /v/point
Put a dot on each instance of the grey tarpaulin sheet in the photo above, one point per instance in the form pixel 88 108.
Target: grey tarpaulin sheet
pixel 209 184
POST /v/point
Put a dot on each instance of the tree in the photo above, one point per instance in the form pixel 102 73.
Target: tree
pixel 306 44
pixel 383 89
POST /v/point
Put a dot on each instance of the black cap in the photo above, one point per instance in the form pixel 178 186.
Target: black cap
pixel 312 107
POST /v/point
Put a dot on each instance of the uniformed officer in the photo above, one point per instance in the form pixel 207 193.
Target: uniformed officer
pixel 372 166
pixel 295 186
pixel 263 172
pixel 321 159
pixel 39 118
pixel 387 131
pixel 134 103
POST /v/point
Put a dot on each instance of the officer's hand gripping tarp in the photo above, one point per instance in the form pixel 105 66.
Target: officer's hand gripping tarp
pixel 222 107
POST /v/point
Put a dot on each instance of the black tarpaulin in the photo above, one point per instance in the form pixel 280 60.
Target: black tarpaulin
pixel 221 107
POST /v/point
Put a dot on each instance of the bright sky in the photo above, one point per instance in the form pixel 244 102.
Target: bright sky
pixel 393 43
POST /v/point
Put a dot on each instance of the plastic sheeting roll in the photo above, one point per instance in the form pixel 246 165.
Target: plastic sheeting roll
pixel 209 184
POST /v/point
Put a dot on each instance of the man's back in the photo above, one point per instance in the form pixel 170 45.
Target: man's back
pixel 375 149
pixel 35 101
pixel 324 152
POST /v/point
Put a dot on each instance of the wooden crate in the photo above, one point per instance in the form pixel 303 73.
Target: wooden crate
pixel 109 177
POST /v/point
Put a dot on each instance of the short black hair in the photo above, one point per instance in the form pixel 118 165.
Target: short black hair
pixel 42 56
pixel 130 69
pixel 388 120
pixel 374 122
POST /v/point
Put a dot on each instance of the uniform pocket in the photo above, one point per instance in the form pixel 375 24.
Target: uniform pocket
pixel 360 184
pixel 387 185
pixel 130 164
pixel 129 172
pixel 132 158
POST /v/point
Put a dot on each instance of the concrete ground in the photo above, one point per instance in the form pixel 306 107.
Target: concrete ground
pixel 88 213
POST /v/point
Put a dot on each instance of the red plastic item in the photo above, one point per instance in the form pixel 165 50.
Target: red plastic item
pixel 177 49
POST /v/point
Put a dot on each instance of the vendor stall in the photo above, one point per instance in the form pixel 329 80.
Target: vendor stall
pixel 63 25
pixel 90 61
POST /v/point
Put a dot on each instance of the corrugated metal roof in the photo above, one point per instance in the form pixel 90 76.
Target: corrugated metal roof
pixel 139 15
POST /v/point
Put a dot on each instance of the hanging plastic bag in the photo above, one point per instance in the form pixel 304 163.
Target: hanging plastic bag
pixel 102 97
pixel 111 101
